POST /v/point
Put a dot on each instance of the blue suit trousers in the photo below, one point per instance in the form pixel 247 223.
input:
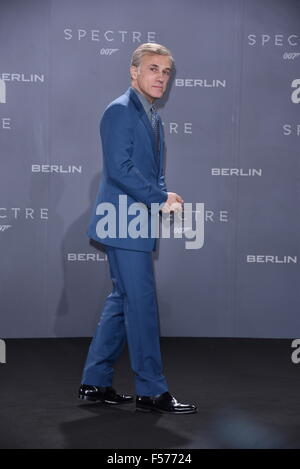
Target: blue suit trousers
pixel 130 313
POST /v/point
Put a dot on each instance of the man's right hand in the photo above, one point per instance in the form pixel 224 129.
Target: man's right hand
pixel 173 203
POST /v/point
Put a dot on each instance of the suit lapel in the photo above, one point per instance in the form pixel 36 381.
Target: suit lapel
pixel 161 142
pixel 143 117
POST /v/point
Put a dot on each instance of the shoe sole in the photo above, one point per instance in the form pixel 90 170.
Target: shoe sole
pixel 160 411
pixel 94 399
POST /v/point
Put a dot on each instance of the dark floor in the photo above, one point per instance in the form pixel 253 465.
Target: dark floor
pixel 247 391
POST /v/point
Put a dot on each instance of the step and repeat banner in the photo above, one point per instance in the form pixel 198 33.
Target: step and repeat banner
pixel 232 128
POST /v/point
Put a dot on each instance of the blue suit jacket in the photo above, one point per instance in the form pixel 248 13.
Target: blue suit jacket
pixel 131 166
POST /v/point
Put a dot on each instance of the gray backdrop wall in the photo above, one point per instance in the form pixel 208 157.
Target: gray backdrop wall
pixel 232 129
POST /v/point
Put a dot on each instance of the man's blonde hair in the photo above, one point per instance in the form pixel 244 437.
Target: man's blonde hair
pixel 149 48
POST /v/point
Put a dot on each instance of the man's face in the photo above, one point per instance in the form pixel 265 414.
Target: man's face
pixel 152 76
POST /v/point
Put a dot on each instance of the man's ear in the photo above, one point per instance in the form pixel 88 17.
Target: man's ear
pixel 133 72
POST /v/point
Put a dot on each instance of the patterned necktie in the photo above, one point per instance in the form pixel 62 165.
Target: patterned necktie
pixel 155 125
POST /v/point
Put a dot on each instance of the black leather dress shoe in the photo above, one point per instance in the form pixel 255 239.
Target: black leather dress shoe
pixel 164 403
pixel 105 394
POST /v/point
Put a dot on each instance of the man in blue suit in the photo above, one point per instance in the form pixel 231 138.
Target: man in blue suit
pixel 133 158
